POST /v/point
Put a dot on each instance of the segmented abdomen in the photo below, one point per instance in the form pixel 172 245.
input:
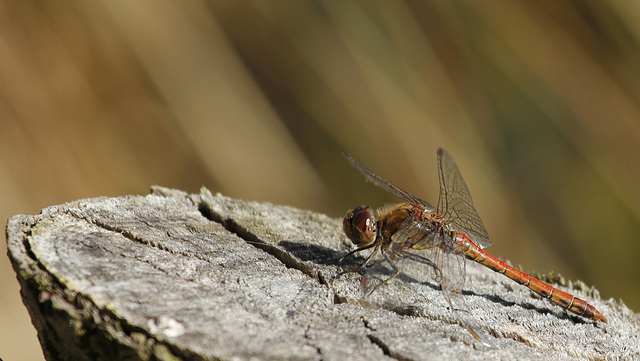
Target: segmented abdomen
pixel 561 298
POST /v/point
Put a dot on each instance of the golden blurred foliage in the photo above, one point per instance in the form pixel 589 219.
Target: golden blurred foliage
pixel 538 102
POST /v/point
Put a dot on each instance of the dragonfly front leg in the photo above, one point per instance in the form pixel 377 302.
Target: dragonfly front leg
pixel 366 261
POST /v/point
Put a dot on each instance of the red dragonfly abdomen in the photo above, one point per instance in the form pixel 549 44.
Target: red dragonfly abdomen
pixel 561 298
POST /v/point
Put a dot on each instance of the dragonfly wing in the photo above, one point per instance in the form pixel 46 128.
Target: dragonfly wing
pixel 451 260
pixel 466 318
pixel 446 265
pixel 385 184
pixel 413 233
pixel 455 203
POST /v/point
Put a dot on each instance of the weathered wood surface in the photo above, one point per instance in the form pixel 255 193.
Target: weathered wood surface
pixel 176 276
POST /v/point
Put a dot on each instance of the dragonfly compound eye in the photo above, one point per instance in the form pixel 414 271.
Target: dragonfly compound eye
pixel 360 226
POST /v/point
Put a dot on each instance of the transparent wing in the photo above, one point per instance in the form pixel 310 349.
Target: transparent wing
pixel 466 318
pixel 413 231
pixel 455 203
pixel 445 259
pixel 385 184
pixel 450 259
pixel 446 264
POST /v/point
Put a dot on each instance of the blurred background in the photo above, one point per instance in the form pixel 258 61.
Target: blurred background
pixel 538 102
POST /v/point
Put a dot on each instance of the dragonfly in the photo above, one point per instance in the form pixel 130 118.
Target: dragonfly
pixel 445 236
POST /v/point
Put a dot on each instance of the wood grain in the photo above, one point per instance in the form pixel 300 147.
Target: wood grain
pixel 184 276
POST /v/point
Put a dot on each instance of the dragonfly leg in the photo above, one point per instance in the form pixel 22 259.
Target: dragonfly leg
pixel 396 271
pixel 366 261
pixel 356 251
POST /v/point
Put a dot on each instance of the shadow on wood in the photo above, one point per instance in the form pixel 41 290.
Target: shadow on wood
pixel 185 276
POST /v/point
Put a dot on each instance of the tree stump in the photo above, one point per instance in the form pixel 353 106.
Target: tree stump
pixel 177 276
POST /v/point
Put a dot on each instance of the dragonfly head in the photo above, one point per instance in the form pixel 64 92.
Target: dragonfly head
pixel 360 226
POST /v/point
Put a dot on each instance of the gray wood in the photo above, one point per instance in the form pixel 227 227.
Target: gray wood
pixel 175 276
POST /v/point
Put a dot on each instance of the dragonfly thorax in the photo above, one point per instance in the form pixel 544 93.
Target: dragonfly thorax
pixel 449 234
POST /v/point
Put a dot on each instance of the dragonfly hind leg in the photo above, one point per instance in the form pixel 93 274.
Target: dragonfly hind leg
pixel 367 262
pixel 396 272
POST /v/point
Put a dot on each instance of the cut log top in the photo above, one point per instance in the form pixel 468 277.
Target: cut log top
pixel 185 276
